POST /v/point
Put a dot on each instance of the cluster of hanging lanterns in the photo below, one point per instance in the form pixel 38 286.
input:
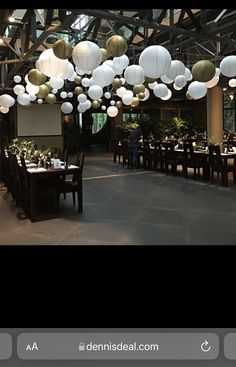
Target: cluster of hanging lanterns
pixel 97 76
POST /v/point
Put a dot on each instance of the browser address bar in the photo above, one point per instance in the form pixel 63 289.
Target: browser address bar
pixel 120 346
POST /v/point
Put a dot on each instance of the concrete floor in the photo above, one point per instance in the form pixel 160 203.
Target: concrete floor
pixel 125 207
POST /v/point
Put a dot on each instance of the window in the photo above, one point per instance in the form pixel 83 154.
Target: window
pixel 99 120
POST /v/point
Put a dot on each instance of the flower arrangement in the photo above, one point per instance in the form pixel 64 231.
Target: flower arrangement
pixel 28 150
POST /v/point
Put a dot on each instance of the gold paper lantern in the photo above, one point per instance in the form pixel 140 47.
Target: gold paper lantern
pixel 141 95
pixel 139 88
pixel 149 80
pixel 99 100
pixel 78 90
pixel 203 71
pixel 43 91
pixel 105 54
pixel 119 104
pixel 48 85
pixel 26 106
pixel 51 98
pixel 62 49
pixel 95 104
pixel 116 46
pixel 116 83
pixel 36 77
pixel 135 102
pixel 188 96
pixel 78 79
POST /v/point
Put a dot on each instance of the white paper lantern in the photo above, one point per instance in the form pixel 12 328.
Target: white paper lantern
pixel 95 92
pixel 212 82
pixel 121 62
pixel 31 88
pixel 40 101
pixel 217 72
pixel 69 73
pixel 103 107
pixel 85 82
pixel 129 92
pixel 23 99
pixel 197 90
pixel 91 82
pixel 4 109
pixel 228 66
pixel 112 103
pixel 19 89
pixel 70 95
pixel 103 75
pixel 26 78
pixel 54 91
pixel 127 99
pixel 107 95
pixel 146 95
pixel 63 95
pixel 6 101
pixel 56 82
pixel 134 74
pixel 73 77
pixel 232 83
pixel 168 96
pixel 87 55
pixel 155 61
pixel 82 98
pixel 17 79
pixel 166 80
pixel 32 97
pixel 116 69
pixel 112 111
pixel 37 65
pixel 81 107
pixel 66 107
pixel 123 79
pixel 51 65
pixel 88 104
pixel 80 71
pixel 121 91
pixel 180 81
pixel 152 85
pixel 176 87
pixel 188 74
pixel 160 90
pixel 177 67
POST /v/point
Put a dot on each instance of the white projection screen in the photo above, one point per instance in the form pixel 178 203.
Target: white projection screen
pixel 39 120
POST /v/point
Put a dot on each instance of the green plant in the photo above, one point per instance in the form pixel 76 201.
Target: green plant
pixel 122 132
pixel 212 141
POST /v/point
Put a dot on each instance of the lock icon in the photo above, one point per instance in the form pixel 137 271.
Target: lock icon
pixel 81 347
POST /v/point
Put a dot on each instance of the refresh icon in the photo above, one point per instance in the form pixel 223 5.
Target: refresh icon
pixel 205 347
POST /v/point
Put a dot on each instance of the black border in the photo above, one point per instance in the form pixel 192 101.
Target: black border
pixel 118 286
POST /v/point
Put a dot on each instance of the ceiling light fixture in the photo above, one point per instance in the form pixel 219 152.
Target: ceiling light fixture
pixel 11 19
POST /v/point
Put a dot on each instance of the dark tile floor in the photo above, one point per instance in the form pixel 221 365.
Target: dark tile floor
pixel 124 207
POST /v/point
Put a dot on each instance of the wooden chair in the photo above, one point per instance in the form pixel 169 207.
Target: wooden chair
pixel 216 163
pixel 191 160
pixel 72 185
pixel 170 158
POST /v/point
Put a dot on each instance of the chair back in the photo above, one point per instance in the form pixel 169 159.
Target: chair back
pixel 24 172
pixel 80 160
pixel 215 159
pixel 188 151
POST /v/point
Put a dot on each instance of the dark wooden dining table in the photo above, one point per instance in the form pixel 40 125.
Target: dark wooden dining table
pixel 36 174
